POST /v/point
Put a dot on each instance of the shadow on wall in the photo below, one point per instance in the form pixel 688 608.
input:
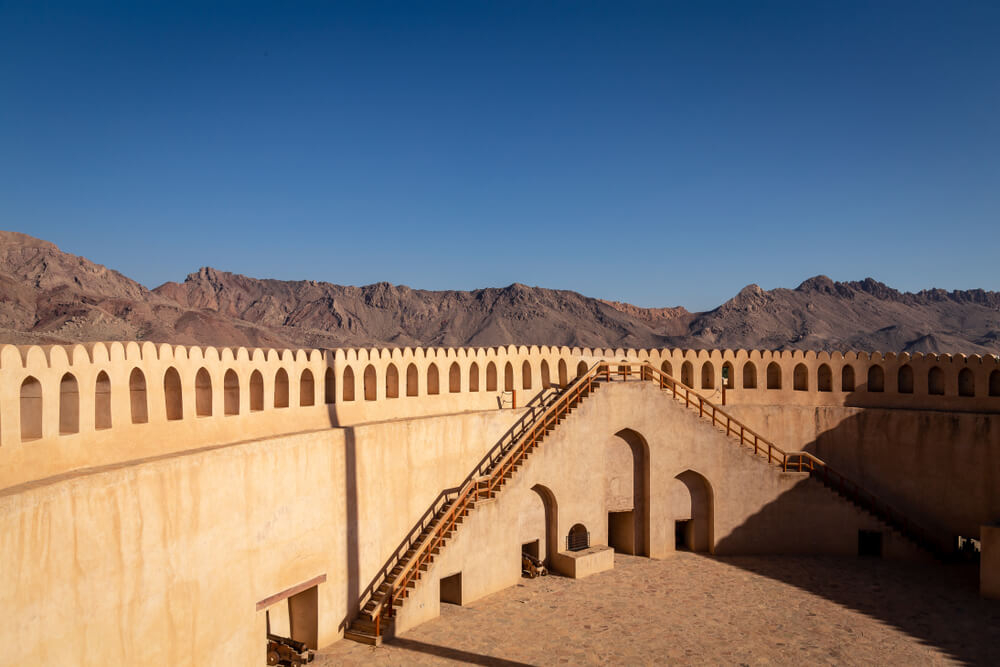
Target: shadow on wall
pixel 938 469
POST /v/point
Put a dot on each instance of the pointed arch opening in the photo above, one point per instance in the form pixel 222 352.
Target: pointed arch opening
pixel 474 377
pixel 329 386
pixel 172 394
pixel 370 383
pixel 627 492
pixel 433 381
pixel 69 405
pixel 491 377
pixel 202 393
pixel 508 377
pixel 546 376
pixel 800 378
pixel 966 383
pixel 707 375
pixel 231 393
pixel 31 409
pixel 728 376
pixel 550 511
pixel 876 379
pixel 526 375
pixel 904 380
pixel 281 388
pixel 749 375
pixel 348 383
pixel 391 381
pixel 256 391
pixel 667 367
pixel 995 383
pixel 581 369
pixel 935 382
pixel 454 378
pixel 847 378
pixel 563 373
pixel 307 389
pixel 412 380
pixel 773 375
pixel 138 407
pixel 102 402
pixel 824 378
pixel 694 527
pixel 687 374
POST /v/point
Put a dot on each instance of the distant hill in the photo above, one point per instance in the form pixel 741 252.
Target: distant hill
pixel 48 296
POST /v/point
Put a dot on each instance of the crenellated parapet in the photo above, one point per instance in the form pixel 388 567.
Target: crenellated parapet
pixel 63 408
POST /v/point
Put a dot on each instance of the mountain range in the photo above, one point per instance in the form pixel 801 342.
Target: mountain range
pixel 48 296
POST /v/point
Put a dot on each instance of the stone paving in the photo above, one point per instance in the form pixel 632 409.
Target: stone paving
pixel 693 609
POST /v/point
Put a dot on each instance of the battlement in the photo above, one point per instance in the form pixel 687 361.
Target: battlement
pixel 64 408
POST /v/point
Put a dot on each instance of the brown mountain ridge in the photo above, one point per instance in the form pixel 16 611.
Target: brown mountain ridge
pixel 48 296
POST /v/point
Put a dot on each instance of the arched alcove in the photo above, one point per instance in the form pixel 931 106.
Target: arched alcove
pixel 454 378
pixel 546 378
pixel 627 492
pixel 728 376
pixel 474 377
pixel 412 380
pixel 281 388
pixel 391 381
pixel 526 375
pixel 102 401
pixel 773 375
pixel 551 510
pixel 491 377
pixel 307 389
pixel 329 386
pixel 904 379
pixel 687 374
pixel 824 378
pixel 202 393
pixel 581 369
pixel 935 382
pixel 138 407
pixel 800 378
pixel 508 377
pixel 69 405
pixel 31 409
pixel 370 382
pixel 695 514
pixel 433 382
pixel 667 368
pixel 876 379
pixel 847 378
pixel 749 375
pixel 707 375
pixel 563 373
pixel 348 384
pixel 995 383
pixel 172 394
pixel 231 393
pixel 256 391
pixel 966 383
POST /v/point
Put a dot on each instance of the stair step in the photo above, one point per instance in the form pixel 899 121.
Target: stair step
pixel 362 637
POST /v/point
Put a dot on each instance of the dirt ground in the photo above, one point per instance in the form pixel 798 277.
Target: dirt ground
pixel 694 609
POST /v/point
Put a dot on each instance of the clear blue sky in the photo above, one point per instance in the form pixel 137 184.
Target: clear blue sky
pixel 656 153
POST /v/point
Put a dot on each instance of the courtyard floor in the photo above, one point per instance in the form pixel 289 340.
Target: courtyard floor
pixel 693 609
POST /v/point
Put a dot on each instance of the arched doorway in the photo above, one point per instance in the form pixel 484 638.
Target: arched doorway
pixel 627 492
pixel 548 536
pixel 694 513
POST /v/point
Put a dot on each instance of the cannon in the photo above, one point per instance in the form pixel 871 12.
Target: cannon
pixel 287 651
pixel 531 567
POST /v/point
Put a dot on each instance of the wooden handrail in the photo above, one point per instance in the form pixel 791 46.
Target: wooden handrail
pixel 487 477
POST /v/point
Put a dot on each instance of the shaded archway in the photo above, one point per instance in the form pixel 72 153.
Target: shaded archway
pixel 935 382
pixel 31 409
pixel 454 378
pixel 876 379
pixel 474 377
pixel 281 388
pixel 847 378
pixel 329 386
pixel 687 374
pixel 707 375
pixel 391 381
pixel 551 522
pixel 800 378
pixel 172 394
pixel 694 516
pixel 749 375
pixel 563 373
pixel 370 381
pixel 546 378
pixel 138 407
pixel 904 380
pixel 508 377
pixel 526 375
pixel 433 383
pixel 102 401
pixel 491 377
pixel 256 391
pixel 69 405
pixel 627 492
pixel 667 368
pixel 231 393
pixel 824 378
pixel 307 389
pixel 773 375
pixel 966 383
pixel 348 384
pixel 412 380
pixel 728 376
pixel 995 383
pixel 202 393
pixel 581 369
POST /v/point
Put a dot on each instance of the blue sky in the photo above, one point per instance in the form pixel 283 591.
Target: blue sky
pixel 657 153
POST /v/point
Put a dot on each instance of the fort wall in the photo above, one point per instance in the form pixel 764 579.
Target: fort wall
pixel 64 408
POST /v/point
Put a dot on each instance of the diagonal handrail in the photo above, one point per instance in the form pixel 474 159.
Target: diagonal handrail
pixel 488 476
pixel 474 487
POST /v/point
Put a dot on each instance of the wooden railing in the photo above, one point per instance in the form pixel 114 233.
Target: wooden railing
pixel 501 461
